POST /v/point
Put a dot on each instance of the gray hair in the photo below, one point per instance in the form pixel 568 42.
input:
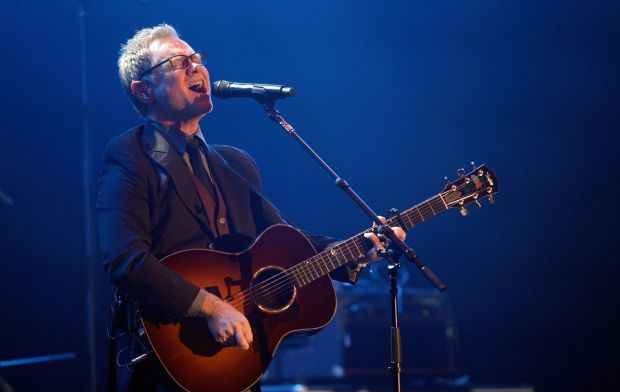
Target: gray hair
pixel 135 58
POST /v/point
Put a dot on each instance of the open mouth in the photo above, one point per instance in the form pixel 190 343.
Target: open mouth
pixel 198 87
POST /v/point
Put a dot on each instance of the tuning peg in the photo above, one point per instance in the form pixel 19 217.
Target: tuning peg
pixel 473 165
pixel 478 203
pixel 460 173
pixel 464 211
pixel 492 199
pixel 447 181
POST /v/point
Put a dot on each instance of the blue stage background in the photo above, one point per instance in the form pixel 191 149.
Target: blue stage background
pixel 395 96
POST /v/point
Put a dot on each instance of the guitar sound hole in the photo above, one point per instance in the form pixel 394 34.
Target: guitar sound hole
pixel 272 290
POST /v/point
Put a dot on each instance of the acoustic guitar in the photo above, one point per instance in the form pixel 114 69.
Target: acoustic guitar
pixel 281 284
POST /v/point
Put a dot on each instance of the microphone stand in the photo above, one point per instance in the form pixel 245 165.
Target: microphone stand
pixel 391 255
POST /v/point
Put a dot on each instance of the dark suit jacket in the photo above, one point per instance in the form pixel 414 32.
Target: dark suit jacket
pixel 148 207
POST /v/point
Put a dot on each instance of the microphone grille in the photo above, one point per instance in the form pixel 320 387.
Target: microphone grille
pixel 219 88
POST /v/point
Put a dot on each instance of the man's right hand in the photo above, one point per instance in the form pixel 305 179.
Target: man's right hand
pixel 228 326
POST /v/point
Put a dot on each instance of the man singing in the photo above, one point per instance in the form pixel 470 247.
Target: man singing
pixel 164 189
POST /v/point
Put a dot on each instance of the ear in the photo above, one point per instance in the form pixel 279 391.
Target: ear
pixel 142 91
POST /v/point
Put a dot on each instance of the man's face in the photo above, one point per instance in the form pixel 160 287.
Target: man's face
pixel 174 100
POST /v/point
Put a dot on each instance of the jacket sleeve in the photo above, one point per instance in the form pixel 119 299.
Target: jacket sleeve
pixel 124 228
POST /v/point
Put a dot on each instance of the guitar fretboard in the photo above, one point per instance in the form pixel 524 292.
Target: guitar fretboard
pixel 355 248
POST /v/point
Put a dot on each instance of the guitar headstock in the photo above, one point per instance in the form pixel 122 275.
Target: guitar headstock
pixel 472 187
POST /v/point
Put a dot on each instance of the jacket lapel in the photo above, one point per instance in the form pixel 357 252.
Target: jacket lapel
pixel 159 149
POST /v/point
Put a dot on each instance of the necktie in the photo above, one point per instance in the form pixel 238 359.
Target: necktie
pixel 193 151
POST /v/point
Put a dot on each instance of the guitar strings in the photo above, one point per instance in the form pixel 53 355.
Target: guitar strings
pixel 301 272
pixel 274 285
pixel 283 280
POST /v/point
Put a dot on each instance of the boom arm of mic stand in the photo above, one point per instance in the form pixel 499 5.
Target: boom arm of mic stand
pixel 275 115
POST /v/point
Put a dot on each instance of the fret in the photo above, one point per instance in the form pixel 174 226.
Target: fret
pixel 307 276
pixel 338 254
pixel 351 255
pixel 360 250
pixel 334 263
pixel 307 272
pixel 298 276
pixel 308 268
pixel 417 208
pixel 443 201
pixel 329 264
pixel 294 279
pixel 430 205
pixel 360 245
pixel 312 269
pixel 348 249
pixel 425 211
pixel 323 265
pixel 331 254
pixel 438 203
pixel 411 223
pixel 409 216
pixel 325 261
pixel 303 274
pixel 316 267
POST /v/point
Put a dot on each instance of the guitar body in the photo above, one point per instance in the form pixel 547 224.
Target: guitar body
pixel 187 349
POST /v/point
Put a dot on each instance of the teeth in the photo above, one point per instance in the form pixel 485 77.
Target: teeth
pixel 196 86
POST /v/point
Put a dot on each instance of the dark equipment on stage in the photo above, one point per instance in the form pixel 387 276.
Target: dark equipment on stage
pixel 355 344
pixel 428 332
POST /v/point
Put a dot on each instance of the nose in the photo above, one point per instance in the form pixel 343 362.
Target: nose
pixel 193 65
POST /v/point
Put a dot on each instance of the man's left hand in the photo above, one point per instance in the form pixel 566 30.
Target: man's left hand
pixel 381 242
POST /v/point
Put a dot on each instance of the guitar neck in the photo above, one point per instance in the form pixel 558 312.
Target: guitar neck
pixel 356 247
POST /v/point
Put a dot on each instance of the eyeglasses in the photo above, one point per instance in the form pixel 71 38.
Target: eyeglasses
pixel 179 62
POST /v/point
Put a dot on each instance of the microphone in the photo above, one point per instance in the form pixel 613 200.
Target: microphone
pixel 226 89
